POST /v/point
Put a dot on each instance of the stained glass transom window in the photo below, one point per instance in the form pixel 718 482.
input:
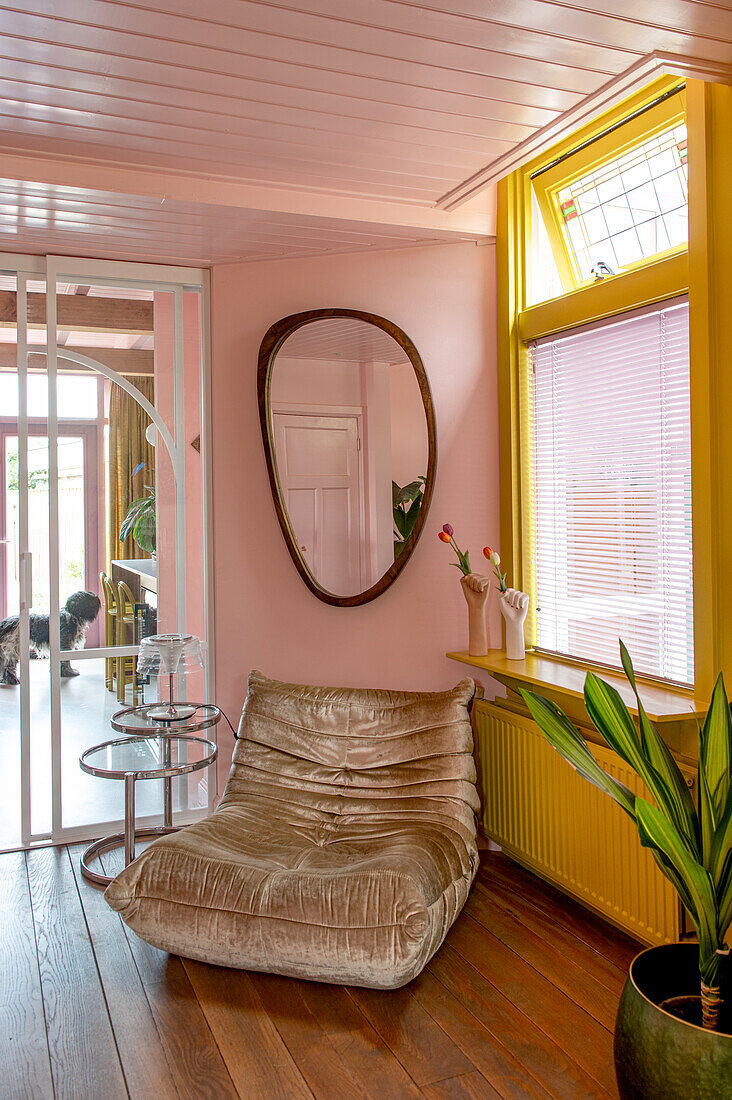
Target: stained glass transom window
pixel 632 207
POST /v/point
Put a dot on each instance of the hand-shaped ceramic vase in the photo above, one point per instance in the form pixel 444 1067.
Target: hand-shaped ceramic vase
pixel 514 607
pixel 476 590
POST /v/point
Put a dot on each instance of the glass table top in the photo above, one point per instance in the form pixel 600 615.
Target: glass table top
pixel 153 756
pixel 194 717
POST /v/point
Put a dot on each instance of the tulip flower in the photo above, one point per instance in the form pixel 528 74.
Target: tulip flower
pixel 463 563
pixel 495 559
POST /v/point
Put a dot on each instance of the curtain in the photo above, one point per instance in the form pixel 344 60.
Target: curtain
pixel 128 448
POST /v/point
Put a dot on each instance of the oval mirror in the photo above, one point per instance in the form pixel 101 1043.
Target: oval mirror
pixel 349 435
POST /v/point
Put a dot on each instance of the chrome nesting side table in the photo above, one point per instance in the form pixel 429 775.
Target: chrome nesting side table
pixel 152 748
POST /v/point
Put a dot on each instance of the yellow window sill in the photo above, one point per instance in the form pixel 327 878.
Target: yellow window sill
pixel 663 703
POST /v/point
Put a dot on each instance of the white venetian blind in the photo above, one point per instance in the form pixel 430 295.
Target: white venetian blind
pixel 612 491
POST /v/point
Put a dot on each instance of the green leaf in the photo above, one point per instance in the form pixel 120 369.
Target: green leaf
pixel 660 758
pixel 129 522
pixel 715 761
pixel 724 895
pixel 411 516
pixel 610 716
pixel 144 533
pixel 708 823
pixel 668 870
pixel 613 720
pixel 657 832
pixel 720 866
pixel 405 494
pixel 569 743
pixel 400 522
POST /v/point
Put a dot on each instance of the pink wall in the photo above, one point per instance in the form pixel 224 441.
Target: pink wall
pixel 443 297
pixel 316 381
pixel 409 443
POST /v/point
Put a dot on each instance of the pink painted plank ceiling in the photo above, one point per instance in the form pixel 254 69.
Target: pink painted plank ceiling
pixel 379 101
pixel 343 338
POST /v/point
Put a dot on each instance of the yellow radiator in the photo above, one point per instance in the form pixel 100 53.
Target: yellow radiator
pixel 553 821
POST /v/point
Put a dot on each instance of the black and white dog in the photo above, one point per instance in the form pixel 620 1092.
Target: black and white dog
pixel 80 611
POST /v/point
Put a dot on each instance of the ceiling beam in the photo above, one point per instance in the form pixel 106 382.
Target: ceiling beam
pixel 164 186
pixel 77 313
pixel 127 362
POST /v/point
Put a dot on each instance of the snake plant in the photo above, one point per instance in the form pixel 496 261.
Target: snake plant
pixel 692 847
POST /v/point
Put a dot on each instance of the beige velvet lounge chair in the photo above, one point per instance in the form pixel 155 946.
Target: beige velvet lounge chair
pixel 342 850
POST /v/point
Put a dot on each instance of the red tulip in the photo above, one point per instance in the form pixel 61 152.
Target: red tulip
pixel 443 535
pixel 487 552
pixel 448 530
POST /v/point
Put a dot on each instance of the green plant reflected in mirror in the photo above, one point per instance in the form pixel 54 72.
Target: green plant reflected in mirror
pixel 349 436
pixel 406 501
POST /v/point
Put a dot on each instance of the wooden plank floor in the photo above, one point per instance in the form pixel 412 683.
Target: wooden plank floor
pixel 518 1004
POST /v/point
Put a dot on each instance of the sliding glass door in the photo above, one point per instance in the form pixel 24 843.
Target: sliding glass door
pixel 111 405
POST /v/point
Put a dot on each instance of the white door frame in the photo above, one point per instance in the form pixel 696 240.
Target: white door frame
pixel 303 408
pixel 173 280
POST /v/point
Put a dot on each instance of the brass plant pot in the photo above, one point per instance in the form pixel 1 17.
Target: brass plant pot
pixel 657 1055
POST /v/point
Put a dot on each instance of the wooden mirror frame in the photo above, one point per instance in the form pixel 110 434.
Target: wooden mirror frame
pixel 273 340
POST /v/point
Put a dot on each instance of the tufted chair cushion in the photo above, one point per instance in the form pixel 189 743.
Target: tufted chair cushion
pixel 342 850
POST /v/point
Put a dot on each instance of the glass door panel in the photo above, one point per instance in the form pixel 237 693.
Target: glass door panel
pixel 73 554
pixel 71 523
pixel 15 571
pixel 142 511
pixel 25 793
pixel 36 652
pixel 9 526
pixel 10 743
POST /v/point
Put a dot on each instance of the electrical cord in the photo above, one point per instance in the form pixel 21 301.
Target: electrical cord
pixel 206 706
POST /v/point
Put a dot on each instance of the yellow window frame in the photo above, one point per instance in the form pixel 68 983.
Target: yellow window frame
pixel 603 147
pixel 705 273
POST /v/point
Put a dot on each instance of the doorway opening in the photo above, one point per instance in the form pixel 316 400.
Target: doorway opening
pixel 100 411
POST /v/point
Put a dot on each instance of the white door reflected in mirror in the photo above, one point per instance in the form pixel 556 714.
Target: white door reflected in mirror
pixel 349 432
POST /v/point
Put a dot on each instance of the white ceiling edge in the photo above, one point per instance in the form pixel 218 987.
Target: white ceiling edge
pixel 648 68
pixel 408 246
